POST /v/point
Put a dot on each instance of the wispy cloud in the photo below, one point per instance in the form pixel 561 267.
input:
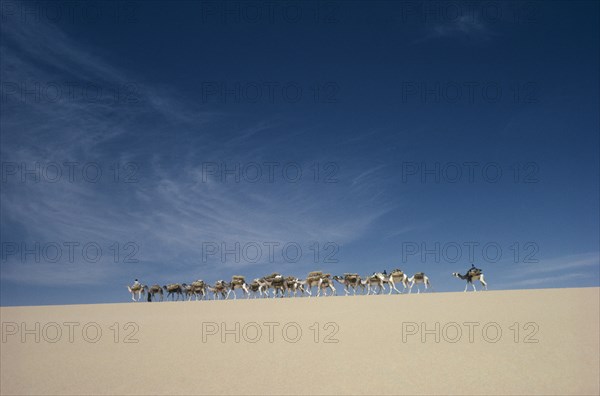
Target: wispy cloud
pixel 549 280
pixel 171 210
pixel 565 263
pixel 466 26
pixel 552 272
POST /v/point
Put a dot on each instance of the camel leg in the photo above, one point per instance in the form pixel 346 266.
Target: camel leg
pixel 474 289
pixel 466 286
pixel 483 282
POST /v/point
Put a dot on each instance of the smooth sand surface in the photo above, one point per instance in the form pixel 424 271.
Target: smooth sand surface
pixel 379 348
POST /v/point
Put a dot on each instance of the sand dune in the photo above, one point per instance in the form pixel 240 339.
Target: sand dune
pixel 438 343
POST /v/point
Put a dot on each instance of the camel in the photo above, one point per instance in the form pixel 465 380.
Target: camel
pixel 324 283
pixel 197 288
pixel 238 282
pixel 377 279
pixel 419 277
pixel 220 287
pixel 153 291
pixel 278 284
pixel 293 286
pixel 395 276
pixel 275 281
pixel 470 276
pixel 175 289
pixel 187 291
pixel 255 288
pixel 136 288
pixel 349 280
pixel 313 279
pixel 363 285
pixel 263 287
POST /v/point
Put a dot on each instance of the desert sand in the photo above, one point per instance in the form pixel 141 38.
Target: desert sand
pixel 496 342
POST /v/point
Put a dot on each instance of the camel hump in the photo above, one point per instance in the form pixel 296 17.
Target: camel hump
pixel 238 277
pixel 419 275
pixel 273 275
pixel 315 273
pixel 474 271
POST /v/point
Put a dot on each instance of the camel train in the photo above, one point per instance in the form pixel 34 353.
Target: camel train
pixel 276 285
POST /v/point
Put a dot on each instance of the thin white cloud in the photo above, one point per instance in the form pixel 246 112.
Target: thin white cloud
pixel 548 280
pixel 171 211
pixel 464 26
pixel 562 264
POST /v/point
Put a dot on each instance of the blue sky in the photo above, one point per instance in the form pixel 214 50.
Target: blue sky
pixel 442 134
